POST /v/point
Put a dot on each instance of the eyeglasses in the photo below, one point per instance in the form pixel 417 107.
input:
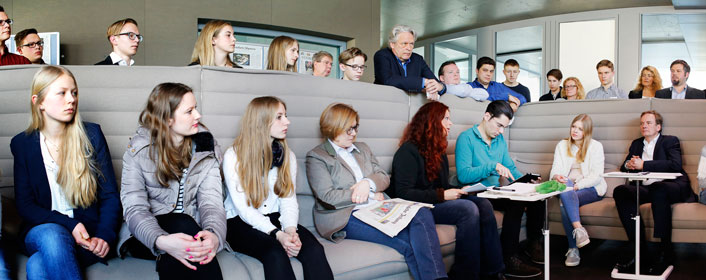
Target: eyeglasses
pixel 356 67
pixel 353 128
pixel 132 36
pixel 39 43
pixel 8 21
pixel 571 86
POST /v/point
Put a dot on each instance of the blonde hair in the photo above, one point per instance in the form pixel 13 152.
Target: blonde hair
pixel 203 48
pixel 336 119
pixel 656 80
pixel 77 170
pixel 114 29
pixel 253 148
pixel 276 55
pixel 161 104
pixel 587 136
pixel 580 92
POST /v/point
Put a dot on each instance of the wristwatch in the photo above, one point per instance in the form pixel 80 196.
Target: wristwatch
pixel 274 232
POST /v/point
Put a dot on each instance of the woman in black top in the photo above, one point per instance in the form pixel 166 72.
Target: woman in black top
pixel 420 172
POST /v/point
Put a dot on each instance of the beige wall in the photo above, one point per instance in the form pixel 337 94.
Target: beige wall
pixel 169 26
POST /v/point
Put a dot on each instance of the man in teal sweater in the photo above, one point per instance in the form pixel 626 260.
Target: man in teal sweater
pixel 482 157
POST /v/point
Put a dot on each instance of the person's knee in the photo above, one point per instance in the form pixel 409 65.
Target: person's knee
pixel 52 239
pixel 423 216
pixel 275 258
pixel 179 223
pixel 35 267
pixel 621 192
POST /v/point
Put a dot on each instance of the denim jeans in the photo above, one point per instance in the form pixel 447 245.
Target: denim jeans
pixel 52 253
pixel 478 251
pixel 571 201
pixel 418 243
pixel 4 272
pixel 702 196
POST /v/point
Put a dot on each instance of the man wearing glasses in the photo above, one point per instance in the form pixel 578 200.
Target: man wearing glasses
pixel 352 63
pixel 30 45
pixel 125 38
pixel 7 58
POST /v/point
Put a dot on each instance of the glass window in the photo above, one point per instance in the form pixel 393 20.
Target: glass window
pixel 582 45
pixel 525 46
pixel 419 50
pixel 666 38
pixel 253 43
pixel 461 50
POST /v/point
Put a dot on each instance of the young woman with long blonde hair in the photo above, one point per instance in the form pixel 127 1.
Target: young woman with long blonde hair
pixel 171 189
pixel 214 45
pixel 578 163
pixel 65 187
pixel 260 174
pixel 283 54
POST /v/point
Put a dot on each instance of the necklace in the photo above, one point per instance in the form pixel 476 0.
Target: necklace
pixel 55 146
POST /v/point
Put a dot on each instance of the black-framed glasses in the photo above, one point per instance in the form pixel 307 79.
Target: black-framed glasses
pixel 8 21
pixel 34 44
pixel 356 67
pixel 132 36
pixel 353 128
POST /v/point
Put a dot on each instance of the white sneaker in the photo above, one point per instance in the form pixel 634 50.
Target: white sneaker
pixel 572 257
pixel 581 237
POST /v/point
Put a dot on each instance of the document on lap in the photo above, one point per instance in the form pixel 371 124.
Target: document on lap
pixel 390 216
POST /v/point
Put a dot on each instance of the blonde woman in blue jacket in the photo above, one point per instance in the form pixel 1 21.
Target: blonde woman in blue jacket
pixel 578 163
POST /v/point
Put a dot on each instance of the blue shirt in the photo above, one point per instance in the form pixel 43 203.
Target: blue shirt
pixel 498 91
pixel 476 160
pixel 679 95
pixel 404 67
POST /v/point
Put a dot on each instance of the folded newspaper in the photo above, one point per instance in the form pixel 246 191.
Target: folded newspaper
pixel 390 216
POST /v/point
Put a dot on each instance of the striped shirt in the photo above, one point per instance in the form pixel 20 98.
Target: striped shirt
pixel 12 59
pixel 180 200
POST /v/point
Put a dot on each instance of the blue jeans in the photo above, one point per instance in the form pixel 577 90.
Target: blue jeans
pixel 571 201
pixel 702 196
pixel 418 243
pixel 4 272
pixel 52 253
pixel 478 251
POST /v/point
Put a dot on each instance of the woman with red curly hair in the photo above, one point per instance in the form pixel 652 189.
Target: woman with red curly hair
pixel 420 172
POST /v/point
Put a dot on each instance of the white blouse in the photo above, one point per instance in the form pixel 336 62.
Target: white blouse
pixel 236 200
pixel 591 167
pixel 58 199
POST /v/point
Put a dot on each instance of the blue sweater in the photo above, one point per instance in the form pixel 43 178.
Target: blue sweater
pixel 476 161
pixel 498 91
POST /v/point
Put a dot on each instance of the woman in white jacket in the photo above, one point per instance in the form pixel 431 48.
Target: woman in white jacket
pixel 578 163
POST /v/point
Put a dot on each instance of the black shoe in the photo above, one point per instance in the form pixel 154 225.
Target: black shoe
pixel 515 267
pixel 535 251
pixel 497 276
pixel 664 259
pixel 628 267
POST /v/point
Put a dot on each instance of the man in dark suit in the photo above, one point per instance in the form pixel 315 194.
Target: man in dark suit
pixel 679 90
pixel 653 152
pixel 125 38
pixel 398 66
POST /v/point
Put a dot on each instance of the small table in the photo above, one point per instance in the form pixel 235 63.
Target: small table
pixel 639 177
pixel 533 197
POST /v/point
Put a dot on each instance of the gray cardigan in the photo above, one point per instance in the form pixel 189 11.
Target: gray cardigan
pixel 143 197
pixel 330 179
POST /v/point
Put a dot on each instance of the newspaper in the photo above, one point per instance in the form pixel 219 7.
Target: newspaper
pixel 390 216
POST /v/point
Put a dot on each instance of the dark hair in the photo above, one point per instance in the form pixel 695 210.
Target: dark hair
pixel 556 73
pixel 511 62
pixel 498 108
pixel 606 63
pixel 20 36
pixel 485 60
pixel 425 132
pixel 447 63
pixel 2 9
pixel 658 118
pixel 687 69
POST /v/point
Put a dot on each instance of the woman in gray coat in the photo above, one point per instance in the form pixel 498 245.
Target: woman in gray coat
pixel 345 176
pixel 171 188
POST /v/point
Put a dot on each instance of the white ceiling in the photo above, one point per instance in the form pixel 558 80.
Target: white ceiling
pixel 431 18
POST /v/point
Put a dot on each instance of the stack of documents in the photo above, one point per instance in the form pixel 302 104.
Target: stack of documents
pixel 523 189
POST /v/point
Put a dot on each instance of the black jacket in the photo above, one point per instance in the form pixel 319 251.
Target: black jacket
pixel 107 61
pixel 409 177
pixel 691 93
pixel 388 71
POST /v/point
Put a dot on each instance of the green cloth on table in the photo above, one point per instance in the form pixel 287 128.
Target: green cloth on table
pixel 550 186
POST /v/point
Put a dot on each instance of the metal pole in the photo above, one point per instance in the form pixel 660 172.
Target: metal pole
pixel 637 231
pixel 546 239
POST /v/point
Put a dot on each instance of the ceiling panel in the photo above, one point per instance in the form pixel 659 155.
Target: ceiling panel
pixel 432 18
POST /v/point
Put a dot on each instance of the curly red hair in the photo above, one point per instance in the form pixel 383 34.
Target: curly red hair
pixel 426 132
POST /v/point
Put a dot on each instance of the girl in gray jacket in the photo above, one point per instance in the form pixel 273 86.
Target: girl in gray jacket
pixel 171 188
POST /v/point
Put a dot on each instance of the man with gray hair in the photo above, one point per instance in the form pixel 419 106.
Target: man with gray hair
pixel 322 64
pixel 398 66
